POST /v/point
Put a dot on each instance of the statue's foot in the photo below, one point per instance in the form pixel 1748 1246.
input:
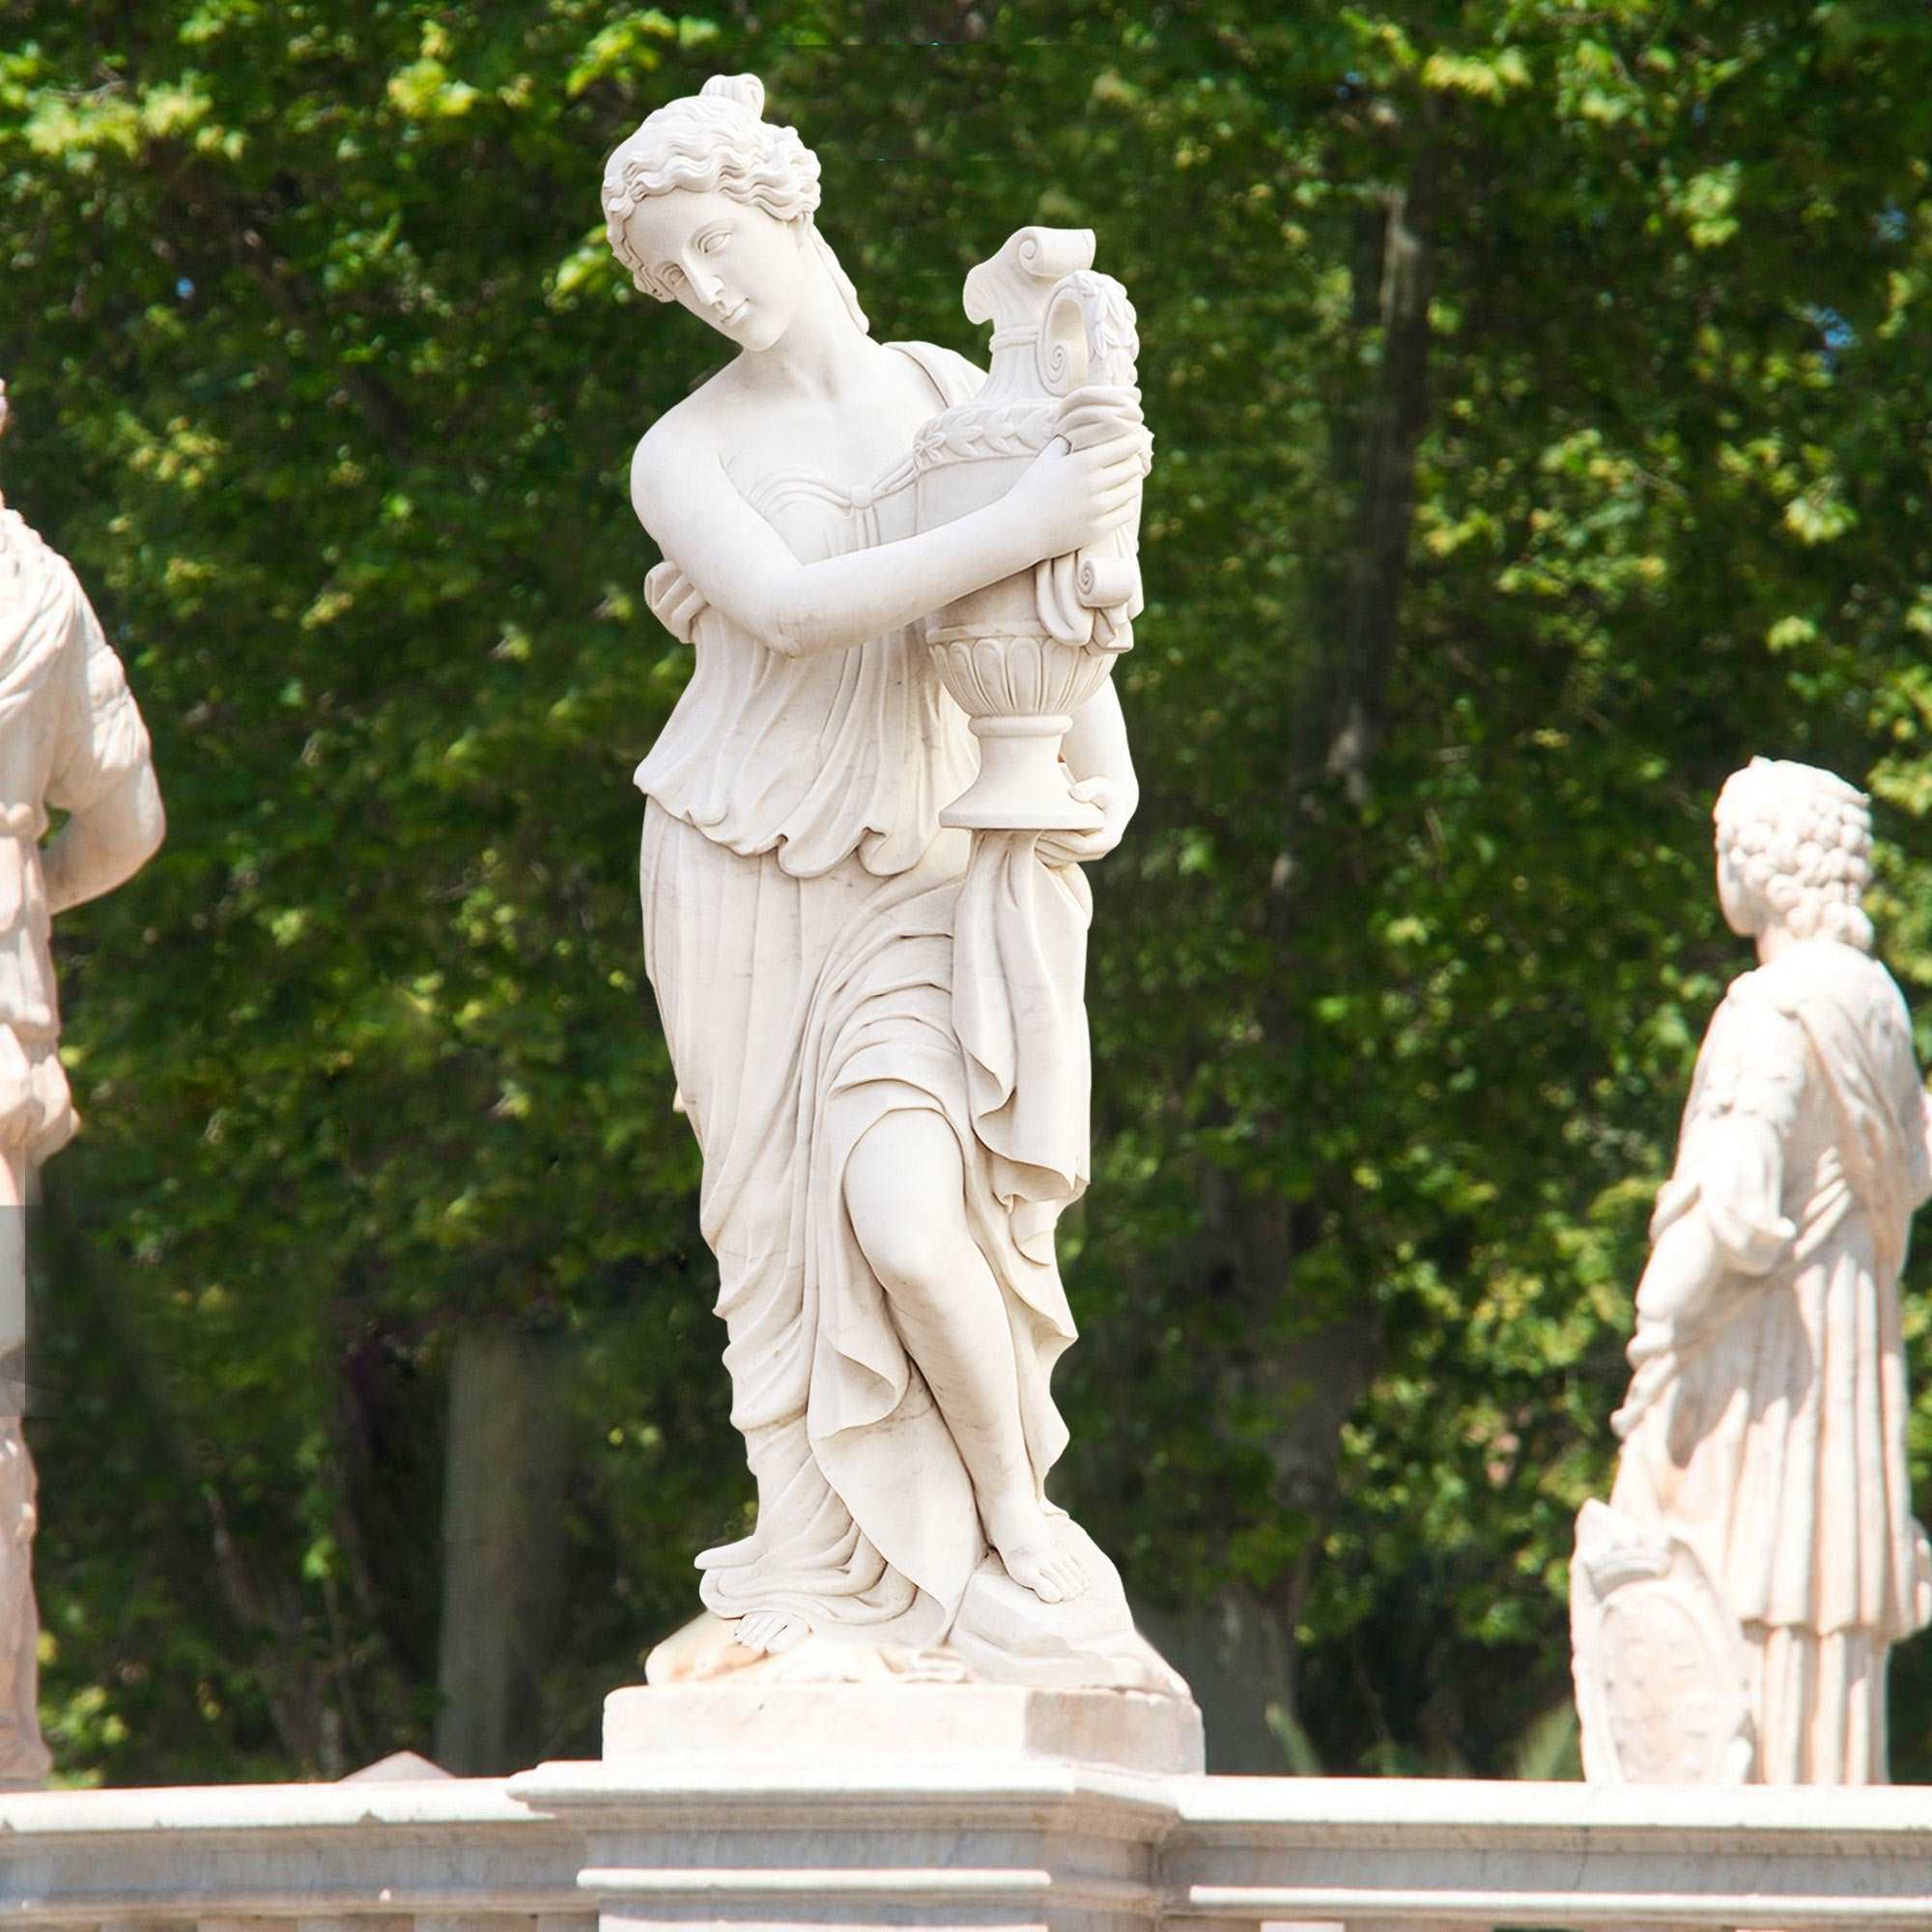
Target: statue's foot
pixel 1034 1554
pixel 769 1631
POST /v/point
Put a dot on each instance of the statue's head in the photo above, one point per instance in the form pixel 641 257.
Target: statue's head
pixel 710 205
pixel 1794 851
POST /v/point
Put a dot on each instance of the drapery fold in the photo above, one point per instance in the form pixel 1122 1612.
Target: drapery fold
pixel 1019 1007
pixel 800 1011
pixel 68 732
pixel 1774 1429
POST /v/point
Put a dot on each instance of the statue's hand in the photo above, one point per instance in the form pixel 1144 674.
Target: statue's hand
pixel 1068 498
pixel 1097 413
pixel 1681 1281
pixel 1082 849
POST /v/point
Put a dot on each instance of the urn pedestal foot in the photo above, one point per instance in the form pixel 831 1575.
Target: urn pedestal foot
pixel 1022 785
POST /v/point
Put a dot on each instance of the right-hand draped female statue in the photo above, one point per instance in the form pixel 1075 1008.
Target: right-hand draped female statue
pixel 1765 1424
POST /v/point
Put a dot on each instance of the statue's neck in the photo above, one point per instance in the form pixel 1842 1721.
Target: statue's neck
pixel 824 354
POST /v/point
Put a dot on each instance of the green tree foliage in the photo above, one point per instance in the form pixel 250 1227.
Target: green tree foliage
pixel 1541 398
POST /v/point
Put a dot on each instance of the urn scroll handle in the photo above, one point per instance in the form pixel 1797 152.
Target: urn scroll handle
pixel 1087 339
pixel 1007 289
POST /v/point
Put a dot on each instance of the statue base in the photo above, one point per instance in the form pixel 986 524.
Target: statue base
pixel 846 1785
pixel 768 1719
pixel 1013 1679
pixel 1000 1633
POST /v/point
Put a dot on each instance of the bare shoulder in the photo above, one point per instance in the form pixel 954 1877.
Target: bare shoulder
pixel 678 445
pixel 963 368
pixel 957 378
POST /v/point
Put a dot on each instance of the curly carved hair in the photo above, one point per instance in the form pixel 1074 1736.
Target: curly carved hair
pixel 1799 839
pixel 716 140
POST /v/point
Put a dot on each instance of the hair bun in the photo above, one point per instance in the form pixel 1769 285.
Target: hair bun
pixel 743 90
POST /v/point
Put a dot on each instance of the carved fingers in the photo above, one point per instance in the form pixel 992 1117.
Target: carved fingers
pixel 674 601
pixel 1085 483
pixel 1097 413
pixel 1082 849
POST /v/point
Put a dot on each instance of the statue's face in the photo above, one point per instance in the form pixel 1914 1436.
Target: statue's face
pixel 731 265
pixel 1742 912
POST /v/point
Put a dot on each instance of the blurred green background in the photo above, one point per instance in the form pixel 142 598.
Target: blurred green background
pixel 1543 395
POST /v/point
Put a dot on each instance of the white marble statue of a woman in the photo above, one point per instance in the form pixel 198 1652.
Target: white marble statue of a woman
pixel 1736 1604
pixel 71 739
pixel 890 1330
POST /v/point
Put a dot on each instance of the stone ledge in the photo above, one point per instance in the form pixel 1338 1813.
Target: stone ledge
pixel 389 1857
pixel 973 1840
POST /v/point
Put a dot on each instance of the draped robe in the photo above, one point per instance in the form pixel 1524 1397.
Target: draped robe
pixel 69 733
pixel 801 902
pixel 1772 1434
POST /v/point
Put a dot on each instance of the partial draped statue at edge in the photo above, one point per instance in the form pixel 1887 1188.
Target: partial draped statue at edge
pixel 1734 1605
pixel 71 738
pixel 893 1309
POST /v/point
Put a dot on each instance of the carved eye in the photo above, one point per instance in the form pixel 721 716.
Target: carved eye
pixel 714 241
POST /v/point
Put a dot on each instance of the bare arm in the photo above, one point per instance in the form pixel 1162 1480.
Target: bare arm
pixel 108 843
pixel 1096 748
pixel 1102 768
pixel 743 567
pixel 1722 1225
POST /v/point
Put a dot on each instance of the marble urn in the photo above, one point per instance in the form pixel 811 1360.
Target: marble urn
pixel 1022 655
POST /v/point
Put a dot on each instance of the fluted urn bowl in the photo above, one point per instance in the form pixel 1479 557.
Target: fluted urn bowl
pixel 1023 655
pixel 1019 693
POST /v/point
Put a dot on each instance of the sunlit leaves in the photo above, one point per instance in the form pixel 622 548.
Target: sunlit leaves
pixel 324 375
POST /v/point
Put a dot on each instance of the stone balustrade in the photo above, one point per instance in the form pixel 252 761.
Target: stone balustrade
pixel 629 1845
pixel 460 1855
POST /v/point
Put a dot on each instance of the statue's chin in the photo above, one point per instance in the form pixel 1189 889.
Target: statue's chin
pixel 756 329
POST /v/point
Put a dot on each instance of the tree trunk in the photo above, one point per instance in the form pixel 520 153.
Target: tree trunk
pixel 1234 1652
pixel 1341 704
pixel 1398 415
pixel 506 1467
pixel 1313 1380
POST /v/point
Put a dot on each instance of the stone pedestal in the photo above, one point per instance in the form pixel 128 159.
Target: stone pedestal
pixel 981 1843
pixel 756 1724
pixel 774 1804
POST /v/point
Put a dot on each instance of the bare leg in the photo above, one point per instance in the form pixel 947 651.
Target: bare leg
pixel 12 1279
pixel 905 1190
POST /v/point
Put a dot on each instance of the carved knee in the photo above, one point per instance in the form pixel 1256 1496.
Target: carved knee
pixel 903 1192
